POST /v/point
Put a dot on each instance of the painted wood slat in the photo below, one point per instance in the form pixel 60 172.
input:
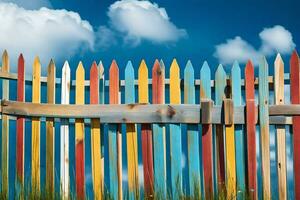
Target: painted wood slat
pixel 158 134
pixel 50 132
pixel 114 177
pixel 95 135
pixel 207 139
pixel 64 136
pixel 131 137
pixel 220 79
pixel 20 124
pixel 280 130
pixel 146 133
pixel 238 132
pixel 5 129
pixel 295 99
pixel 192 135
pixel 79 135
pixel 175 133
pixel 264 126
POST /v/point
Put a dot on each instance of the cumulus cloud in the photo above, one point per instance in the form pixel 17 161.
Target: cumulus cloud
pixel 143 20
pixel 44 32
pixel 273 40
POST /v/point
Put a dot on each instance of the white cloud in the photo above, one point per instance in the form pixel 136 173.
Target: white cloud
pixel 105 37
pixel 31 4
pixel 143 20
pixel 45 32
pixel 273 40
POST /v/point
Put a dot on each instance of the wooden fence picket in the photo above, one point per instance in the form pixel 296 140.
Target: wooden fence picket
pixel 175 133
pixel 158 134
pixel 264 126
pixel 295 99
pixel 207 140
pixel 146 133
pixel 220 84
pixel 131 137
pixel 280 130
pixel 5 129
pixel 20 125
pixel 192 135
pixel 114 182
pixel 250 128
pixel 95 135
pixel 79 135
pixel 236 92
pixel 64 134
pixel 50 134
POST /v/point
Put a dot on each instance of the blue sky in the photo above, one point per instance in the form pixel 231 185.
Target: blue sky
pixel 216 31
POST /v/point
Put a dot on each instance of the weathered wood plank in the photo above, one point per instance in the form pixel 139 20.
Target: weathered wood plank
pixel 20 125
pixel 280 130
pixel 64 136
pixel 131 137
pixel 236 93
pixel 175 133
pixel 5 129
pixel 264 126
pixel 220 78
pixel 79 135
pixel 95 135
pixel 207 139
pixel 160 177
pixel 115 182
pixel 35 129
pixel 192 135
pixel 295 99
pixel 50 134
pixel 146 133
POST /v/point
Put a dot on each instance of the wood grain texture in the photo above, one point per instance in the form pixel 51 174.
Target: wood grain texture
pixel 192 135
pixel 236 93
pixel 280 130
pixel 20 124
pixel 79 135
pixel 207 139
pixel 175 133
pixel 35 129
pixel 264 126
pixel 220 79
pixel 131 137
pixel 64 136
pixel 115 178
pixel 146 133
pixel 50 132
pixel 295 99
pixel 5 129
pixel 160 177
pixel 95 135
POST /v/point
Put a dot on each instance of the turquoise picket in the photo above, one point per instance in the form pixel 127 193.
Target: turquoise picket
pixel 129 84
pixel 238 130
pixel 192 135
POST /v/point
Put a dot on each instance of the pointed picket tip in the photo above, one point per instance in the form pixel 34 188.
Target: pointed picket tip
pixel 114 66
pixel 21 58
pixel 278 59
pixel 80 66
pixel 263 62
pixel 94 68
pixel 36 60
pixel 205 68
pixel 5 54
pixel 249 64
pixel 66 66
pixel 156 65
pixel 294 56
pixel 236 67
pixel 189 66
pixel 220 70
pixel 162 64
pixel 129 67
pixel 174 64
pixel 101 69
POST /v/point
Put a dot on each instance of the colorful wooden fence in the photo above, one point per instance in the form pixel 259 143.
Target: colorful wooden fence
pixel 225 126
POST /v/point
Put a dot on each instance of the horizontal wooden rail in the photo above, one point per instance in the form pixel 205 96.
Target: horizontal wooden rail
pixel 142 113
pixel 13 76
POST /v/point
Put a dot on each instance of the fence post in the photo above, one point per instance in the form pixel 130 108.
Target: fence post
pixel 175 133
pixel 35 130
pixel 5 128
pixel 280 130
pixel 192 135
pixel 264 126
pixel 50 134
pixel 79 135
pixel 64 134
pixel 220 84
pixel 146 133
pixel 95 135
pixel 131 137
